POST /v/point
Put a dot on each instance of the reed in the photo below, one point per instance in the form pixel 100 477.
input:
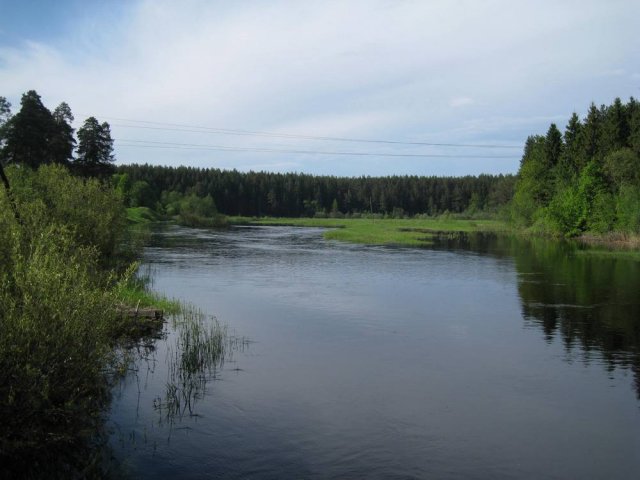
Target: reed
pixel 196 353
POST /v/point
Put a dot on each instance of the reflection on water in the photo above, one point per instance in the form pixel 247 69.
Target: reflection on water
pixel 592 302
pixel 481 357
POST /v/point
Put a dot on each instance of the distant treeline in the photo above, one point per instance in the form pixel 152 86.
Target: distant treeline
pixel 586 179
pixel 297 194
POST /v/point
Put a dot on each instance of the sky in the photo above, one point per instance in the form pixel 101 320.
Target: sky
pixel 294 86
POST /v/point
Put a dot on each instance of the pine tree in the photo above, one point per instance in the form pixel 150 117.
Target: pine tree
pixel 62 142
pixel 28 133
pixel 95 149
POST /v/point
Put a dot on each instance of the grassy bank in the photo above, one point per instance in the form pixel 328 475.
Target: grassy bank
pixel 408 232
pixel 141 215
pixel 144 216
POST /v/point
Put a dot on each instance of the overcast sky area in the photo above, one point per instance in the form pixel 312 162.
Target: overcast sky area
pixel 431 72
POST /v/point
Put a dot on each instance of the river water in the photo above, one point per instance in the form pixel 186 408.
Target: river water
pixel 481 357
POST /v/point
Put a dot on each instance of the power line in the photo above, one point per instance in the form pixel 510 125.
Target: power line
pixel 194 146
pixel 179 127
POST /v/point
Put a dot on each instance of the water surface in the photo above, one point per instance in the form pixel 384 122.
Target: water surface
pixel 482 357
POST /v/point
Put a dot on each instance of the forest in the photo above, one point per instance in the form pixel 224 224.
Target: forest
pixel 296 194
pixel 585 179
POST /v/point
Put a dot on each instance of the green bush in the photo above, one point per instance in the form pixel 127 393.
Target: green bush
pixel 93 211
pixel 628 209
pixel 56 327
pixel 58 322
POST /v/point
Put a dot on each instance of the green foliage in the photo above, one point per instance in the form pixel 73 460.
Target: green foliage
pixel 565 213
pixel 55 325
pixel 58 321
pixel 379 231
pixel 585 180
pixel 572 154
pixel 62 142
pixel 51 196
pixel 628 209
pixel 29 133
pixel 553 145
pixel 34 136
pixel 141 215
pixel 140 194
pixel 5 114
pixel 95 149
pixel 622 167
pixel 295 195
pixel 132 289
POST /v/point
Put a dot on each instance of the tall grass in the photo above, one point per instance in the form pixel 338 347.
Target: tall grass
pixel 198 351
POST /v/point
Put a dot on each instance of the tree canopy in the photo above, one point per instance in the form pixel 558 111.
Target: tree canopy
pixel 35 136
pixel 585 180
pixel 95 149
pixel 298 194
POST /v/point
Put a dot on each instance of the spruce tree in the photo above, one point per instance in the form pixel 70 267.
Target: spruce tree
pixel 616 128
pixel 591 134
pixel 573 145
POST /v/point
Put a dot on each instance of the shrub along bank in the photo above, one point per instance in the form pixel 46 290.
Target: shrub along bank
pixel 63 273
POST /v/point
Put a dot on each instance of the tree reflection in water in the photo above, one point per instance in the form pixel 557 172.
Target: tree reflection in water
pixel 588 298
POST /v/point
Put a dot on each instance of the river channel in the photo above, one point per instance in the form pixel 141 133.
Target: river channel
pixel 480 357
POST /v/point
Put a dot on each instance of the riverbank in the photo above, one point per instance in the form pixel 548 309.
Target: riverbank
pixel 414 232
pixel 388 231
pixel 421 232
pixel 68 285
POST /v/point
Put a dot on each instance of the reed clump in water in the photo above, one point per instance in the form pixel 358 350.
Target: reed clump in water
pixel 197 351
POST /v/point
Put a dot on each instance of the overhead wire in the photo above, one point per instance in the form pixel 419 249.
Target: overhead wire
pixel 179 127
pixel 192 146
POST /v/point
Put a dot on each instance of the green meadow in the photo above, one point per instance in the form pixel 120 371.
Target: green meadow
pixel 388 231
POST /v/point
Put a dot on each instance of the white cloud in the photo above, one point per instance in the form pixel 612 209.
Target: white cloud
pixel 371 69
pixel 461 102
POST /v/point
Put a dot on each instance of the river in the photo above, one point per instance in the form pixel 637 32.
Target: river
pixel 481 357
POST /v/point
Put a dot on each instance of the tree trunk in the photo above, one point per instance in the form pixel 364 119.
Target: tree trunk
pixel 12 202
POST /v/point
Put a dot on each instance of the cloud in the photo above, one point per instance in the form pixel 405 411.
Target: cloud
pixel 457 102
pixel 364 69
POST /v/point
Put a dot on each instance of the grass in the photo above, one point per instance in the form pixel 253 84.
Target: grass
pixel 135 292
pixel 610 252
pixel 195 354
pixel 141 215
pixel 407 232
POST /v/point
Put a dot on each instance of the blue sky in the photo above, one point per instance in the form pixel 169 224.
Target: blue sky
pixel 444 71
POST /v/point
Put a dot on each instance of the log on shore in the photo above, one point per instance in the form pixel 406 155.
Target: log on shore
pixel 143 313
